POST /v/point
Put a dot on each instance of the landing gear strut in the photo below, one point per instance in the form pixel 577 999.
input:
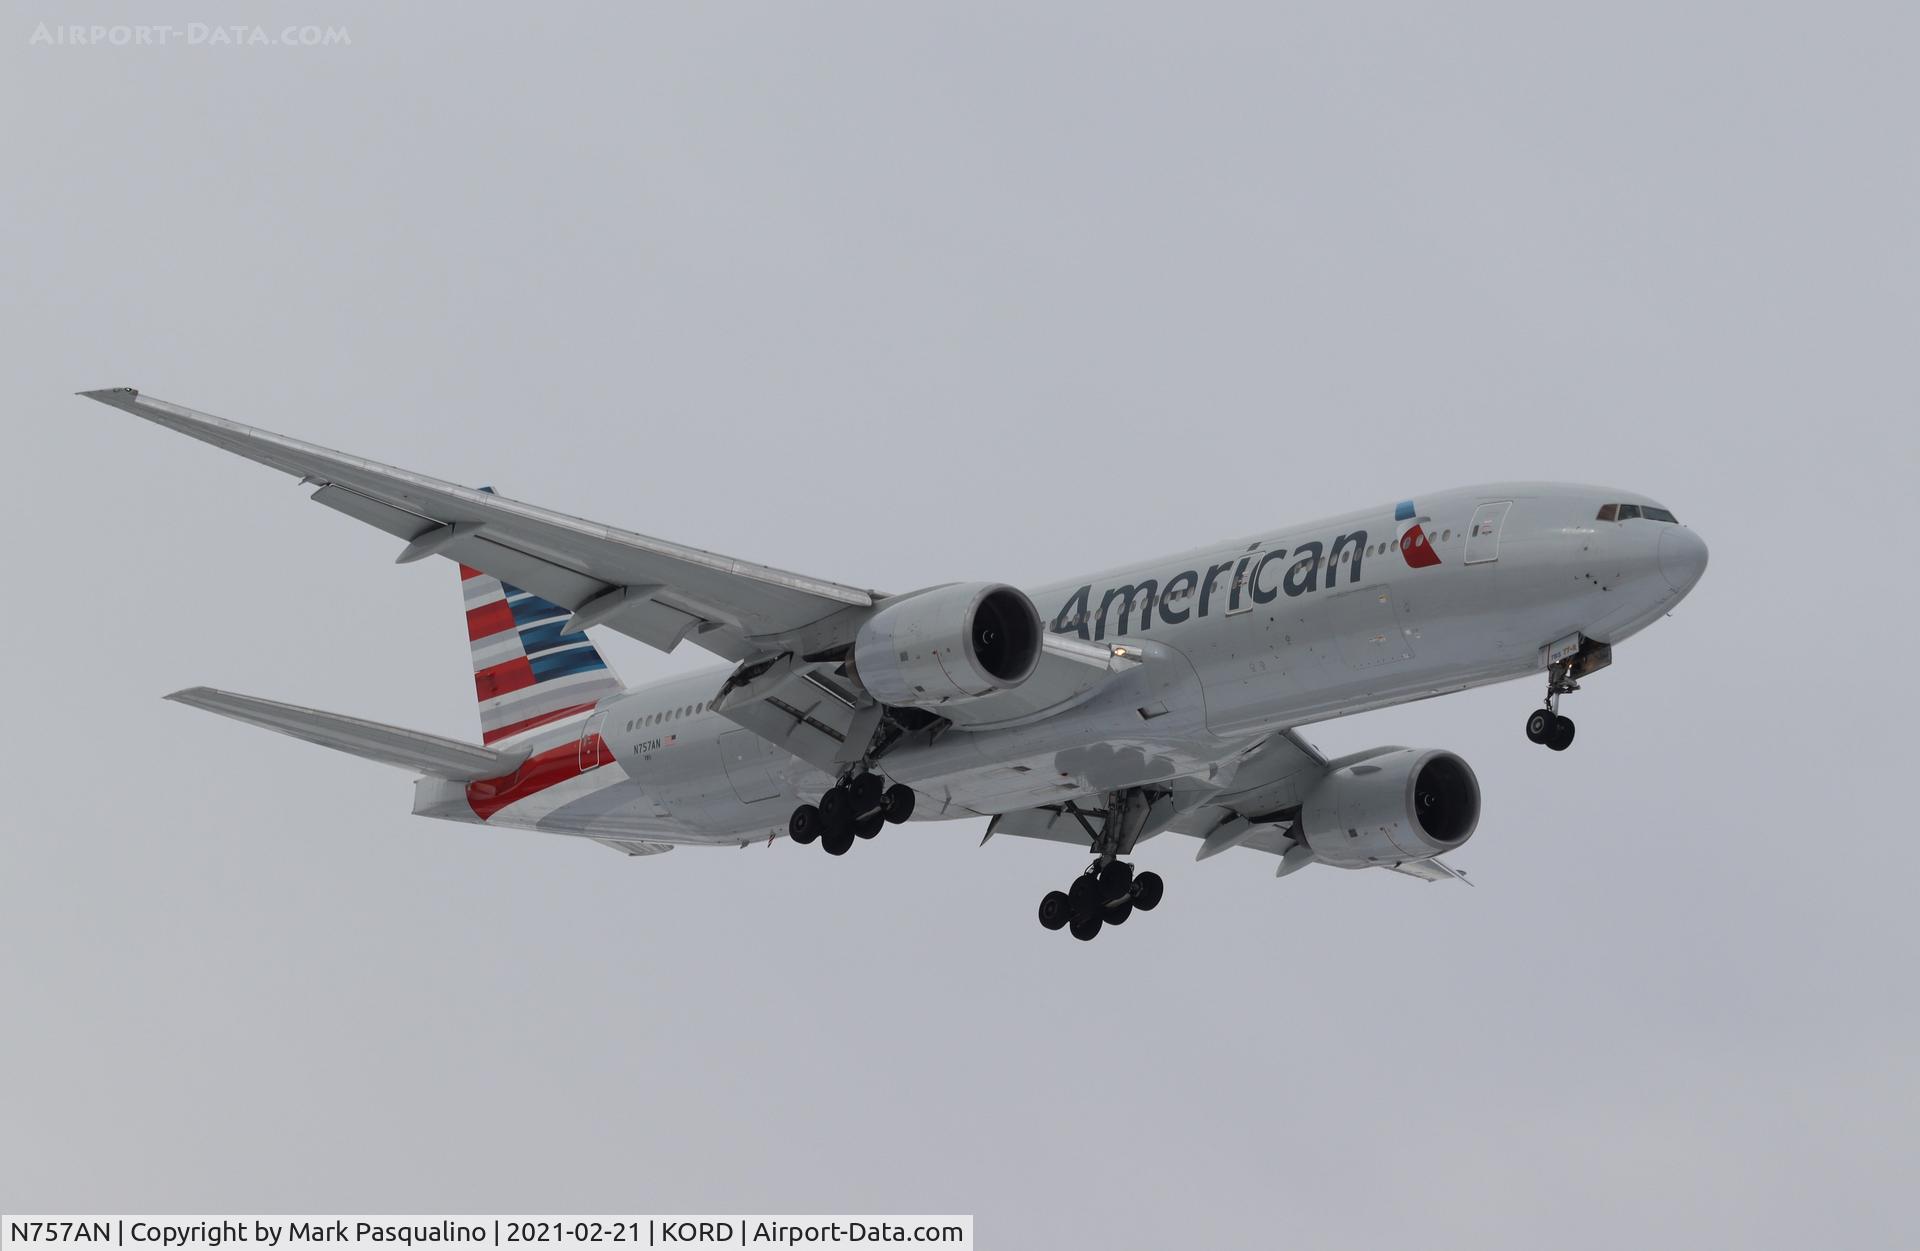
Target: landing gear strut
pixel 1545 725
pixel 1108 891
pixel 856 807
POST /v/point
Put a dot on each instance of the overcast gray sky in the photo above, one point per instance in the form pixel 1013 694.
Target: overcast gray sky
pixel 904 294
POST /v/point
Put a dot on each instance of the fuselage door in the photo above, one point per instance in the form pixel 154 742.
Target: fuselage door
pixel 1483 536
pixel 593 752
pixel 749 761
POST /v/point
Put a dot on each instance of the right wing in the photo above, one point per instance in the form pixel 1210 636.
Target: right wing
pixel 650 589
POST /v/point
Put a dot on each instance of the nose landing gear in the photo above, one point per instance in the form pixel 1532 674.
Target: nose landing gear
pixel 857 806
pixel 1545 725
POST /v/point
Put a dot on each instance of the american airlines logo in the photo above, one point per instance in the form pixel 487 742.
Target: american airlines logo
pixel 1238 585
pixel 1415 544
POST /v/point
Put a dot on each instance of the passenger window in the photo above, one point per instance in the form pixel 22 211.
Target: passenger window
pixel 1609 512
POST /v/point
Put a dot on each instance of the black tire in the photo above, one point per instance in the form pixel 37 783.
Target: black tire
pixel 837 844
pixel 1084 895
pixel 1115 880
pixel 1055 911
pixel 1562 734
pixel 1086 931
pixel 867 827
pixel 1147 889
pixel 805 824
pixel 1540 725
pixel 833 812
pixel 899 803
pixel 864 794
pixel 1118 914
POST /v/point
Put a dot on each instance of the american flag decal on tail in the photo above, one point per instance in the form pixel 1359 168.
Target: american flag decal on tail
pixel 533 680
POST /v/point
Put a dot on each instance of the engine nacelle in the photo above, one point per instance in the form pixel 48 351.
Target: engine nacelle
pixel 1402 804
pixel 950 643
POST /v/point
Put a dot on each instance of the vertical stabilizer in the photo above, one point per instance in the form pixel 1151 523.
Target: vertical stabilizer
pixel 534 681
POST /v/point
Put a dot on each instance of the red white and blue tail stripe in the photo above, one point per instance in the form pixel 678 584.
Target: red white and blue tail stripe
pixel 535 682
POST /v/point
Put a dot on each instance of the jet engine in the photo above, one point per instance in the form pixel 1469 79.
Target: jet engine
pixel 950 643
pixel 1398 804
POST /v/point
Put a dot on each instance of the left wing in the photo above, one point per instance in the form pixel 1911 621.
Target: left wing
pixel 648 588
pixel 661 593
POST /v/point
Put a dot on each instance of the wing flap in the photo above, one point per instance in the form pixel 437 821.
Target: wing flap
pixel 1433 870
pixel 634 846
pixel 370 740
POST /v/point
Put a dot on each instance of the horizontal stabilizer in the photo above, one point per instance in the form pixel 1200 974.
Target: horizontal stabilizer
pixel 388 744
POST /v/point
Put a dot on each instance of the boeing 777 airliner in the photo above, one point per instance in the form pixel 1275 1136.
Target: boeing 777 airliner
pixel 1166 695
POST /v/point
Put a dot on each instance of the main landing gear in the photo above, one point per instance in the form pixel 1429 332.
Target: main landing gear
pixel 1545 725
pixel 857 806
pixel 1108 890
pixel 1102 895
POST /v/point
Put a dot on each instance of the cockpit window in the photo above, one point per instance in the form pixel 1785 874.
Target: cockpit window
pixel 1634 512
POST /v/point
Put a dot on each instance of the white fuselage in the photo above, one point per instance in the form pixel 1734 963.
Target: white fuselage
pixel 1241 640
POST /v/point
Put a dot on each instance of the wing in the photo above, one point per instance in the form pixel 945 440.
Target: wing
pixel 658 592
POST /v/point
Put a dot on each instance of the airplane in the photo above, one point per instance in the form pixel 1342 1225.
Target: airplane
pixel 1165 695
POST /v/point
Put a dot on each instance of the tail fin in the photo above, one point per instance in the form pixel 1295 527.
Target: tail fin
pixel 533 680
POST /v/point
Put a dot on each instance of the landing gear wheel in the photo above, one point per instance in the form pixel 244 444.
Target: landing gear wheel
pixel 867 827
pixel 863 794
pixel 1147 889
pixel 1562 734
pixel 1084 895
pixel 1118 914
pixel 1540 725
pixel 837 844
pixel 805 824
pixel 898 802
pixel 1055 911
pixel 833 811
pixel 1115 880
pixel 1085 930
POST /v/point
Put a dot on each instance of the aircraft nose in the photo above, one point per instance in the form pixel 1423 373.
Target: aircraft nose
pixel 1683 557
